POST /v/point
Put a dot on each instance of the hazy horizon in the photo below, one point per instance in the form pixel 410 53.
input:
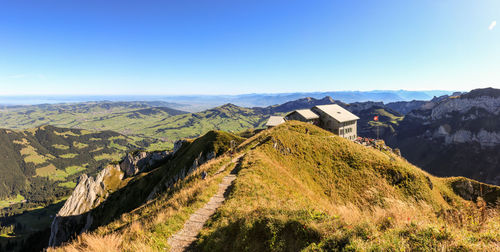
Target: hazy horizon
pixel 233 94
pixel 193 102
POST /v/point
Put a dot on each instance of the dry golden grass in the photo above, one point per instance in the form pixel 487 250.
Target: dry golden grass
pixel 96 243
pixel 68 155
pixel 23 141
pixel 148 227
pixel 299 188
pixel 60 146
pixel 65 134
pixel 80 145
pixel 351 196
pixel 46 171
pixel 32 156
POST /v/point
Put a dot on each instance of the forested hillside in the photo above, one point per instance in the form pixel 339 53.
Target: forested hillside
pixel 39 168
pixel 41 164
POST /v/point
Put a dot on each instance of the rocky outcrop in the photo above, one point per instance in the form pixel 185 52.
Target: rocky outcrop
pixel 404 107
pixel 357 107
pixel 456 135
pixel 178 144
pixel 463 105
pixel 466 118
pixel 201 159
pixel 472 190
pixel 169 181
pixel 483 137
pixel 137 162
pixel 75 216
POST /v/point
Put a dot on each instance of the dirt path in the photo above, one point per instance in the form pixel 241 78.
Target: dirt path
pixel 187 235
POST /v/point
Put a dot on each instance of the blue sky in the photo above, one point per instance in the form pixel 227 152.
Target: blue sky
pixel 233 47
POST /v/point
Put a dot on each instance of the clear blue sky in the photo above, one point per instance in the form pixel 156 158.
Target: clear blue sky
pixel 232 47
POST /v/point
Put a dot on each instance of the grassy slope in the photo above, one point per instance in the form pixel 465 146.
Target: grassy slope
pixel 300 188
pixel 70 115
pixel 328 193
pixel 132 193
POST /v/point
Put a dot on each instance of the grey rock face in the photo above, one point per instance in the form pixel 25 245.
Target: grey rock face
pixel 169 181
pixel 490 104
pixel 405 107
pixel 177 145
pixel 201 159
pixel 75 216
pixel 135 163
pixel 359 106
pixel 461 119
pixel 455 135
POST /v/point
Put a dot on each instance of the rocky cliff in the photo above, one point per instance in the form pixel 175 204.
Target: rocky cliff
pixel 405 107
pixel 75 216
pixel 455 135
pixel 469 118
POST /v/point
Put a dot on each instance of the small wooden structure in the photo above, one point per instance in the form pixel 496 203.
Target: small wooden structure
pixel 304 115
pixel 274 121
pixel 331 117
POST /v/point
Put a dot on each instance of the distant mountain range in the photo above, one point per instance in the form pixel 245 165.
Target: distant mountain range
pixel 196 103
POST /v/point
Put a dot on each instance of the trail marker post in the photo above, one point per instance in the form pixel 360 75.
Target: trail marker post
pixel 233 147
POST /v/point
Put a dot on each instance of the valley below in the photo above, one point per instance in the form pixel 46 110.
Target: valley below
pixel 108 170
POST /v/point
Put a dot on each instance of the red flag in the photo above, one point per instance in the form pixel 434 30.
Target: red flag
pixel 375 118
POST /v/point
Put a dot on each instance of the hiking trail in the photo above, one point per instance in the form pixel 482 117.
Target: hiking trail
pixel 181 240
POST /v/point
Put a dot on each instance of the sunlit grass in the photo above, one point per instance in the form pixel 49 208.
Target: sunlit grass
pixel 8 202
pixel 301 188
pixel 69 184
pixel 68 155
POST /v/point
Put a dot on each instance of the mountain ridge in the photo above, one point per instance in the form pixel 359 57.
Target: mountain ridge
pixel 454 134
pixel 288 197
